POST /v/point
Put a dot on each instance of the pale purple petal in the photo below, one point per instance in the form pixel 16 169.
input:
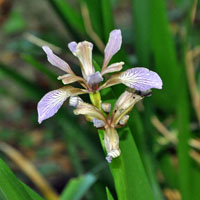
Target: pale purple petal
pixel 72 47
pixel 113 46
pixel 94 79
pixel 141 79
pixel 98 123
pixel 55 60
pixel 50 104
pixel 109 159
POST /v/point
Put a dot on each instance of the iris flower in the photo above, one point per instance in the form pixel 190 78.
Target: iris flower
pixel 138 78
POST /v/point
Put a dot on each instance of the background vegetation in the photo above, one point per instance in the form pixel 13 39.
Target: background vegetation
pixel 63 158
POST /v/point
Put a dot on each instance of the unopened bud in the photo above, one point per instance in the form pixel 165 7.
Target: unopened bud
pixel 106 107
pixel 124 120
pixel 74 101
pixel 111 141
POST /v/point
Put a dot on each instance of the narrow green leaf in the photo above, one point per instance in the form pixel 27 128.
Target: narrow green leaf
pixel 129 175
pixel 10 187
pixel 109 195
pixel 196 182
pixel 95 17
pixel 77 187
pixel 164 54
pixel 32 193
pixel 184 135
pixel 107 14
pixel 71 18
pixel 141 22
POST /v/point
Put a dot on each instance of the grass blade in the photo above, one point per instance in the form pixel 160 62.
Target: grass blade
pixel 72 19
pixel 10 187
pixel 108 21
pixel 129 175
pixel 77 187
pixel 109 195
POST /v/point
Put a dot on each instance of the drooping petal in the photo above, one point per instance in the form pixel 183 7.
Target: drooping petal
pixel 94 79
pixel 50 104
pixel 141 79
pixel 84 54
pixel 52 101
pixel 89 110
pixel 115 67
pixel 72 47
pixel 69 78
pixel 56 61
pixel 113 46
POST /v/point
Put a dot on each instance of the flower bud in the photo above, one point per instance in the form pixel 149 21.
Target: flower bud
pixel 106 107
pixel 124 120
pixel 74 101
pixel 111 142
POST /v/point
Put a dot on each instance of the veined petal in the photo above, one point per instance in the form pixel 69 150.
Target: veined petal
pixel 141 79
pixel 113 46
pixel 72 47
pixel 52 101
pixel 69 78
pixel 115 67
pixel 56 61
pixel 89 110
pixel 84 54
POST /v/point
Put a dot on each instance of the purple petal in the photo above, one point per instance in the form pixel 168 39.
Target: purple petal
pixel 72 47
pixel 50 104
pixel 141 79
pixel 113 45
pixel 98 123
pixel 94 79
pixel 55 60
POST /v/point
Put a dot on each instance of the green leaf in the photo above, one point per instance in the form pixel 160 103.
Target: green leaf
pixel 128 172
pixel 108 21
pixel 11 188
pixel 77 187
pixel 95 17
pixel 164 54
pixel 109 195
pixel 71 18
pixel 32 193
pixel 141 21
